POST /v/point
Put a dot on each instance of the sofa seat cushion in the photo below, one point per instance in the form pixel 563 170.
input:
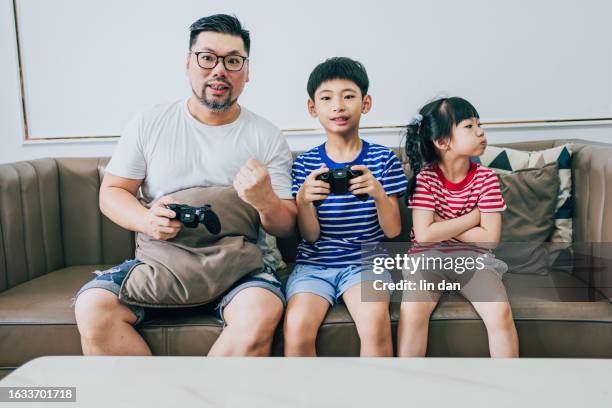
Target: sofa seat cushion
pixel 46 299
pixel 558 319
pixel 556 315
pixel 37 319
pixel 555 296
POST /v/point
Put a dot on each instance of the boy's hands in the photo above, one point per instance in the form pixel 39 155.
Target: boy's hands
pixel 366 184
pixel 313 189
pixel 159 223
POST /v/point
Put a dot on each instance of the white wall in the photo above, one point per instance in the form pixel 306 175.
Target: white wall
pixel 12 147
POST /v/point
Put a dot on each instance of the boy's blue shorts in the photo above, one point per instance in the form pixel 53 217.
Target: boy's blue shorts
pixel 111 280
pixel 328 283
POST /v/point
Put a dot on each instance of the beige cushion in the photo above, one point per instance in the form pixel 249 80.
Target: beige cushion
pixel 196 266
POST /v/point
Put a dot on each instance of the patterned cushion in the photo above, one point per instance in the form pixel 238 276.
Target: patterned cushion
pixel 270 252
pixel 505 160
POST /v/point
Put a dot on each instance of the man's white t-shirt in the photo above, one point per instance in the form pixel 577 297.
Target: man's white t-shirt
pixel 170 150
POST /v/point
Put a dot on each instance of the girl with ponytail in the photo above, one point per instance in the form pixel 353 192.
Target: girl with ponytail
pixel 454 200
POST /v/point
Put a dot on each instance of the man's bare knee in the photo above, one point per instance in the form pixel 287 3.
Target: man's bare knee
pixel 260 327
pixel 255 317
pixel 97 310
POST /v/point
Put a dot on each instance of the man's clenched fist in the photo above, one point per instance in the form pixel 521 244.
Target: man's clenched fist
pixel 253 184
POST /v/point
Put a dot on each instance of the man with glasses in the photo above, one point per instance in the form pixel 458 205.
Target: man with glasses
pixel 207 140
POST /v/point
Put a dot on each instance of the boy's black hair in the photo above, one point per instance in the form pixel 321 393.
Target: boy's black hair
pixel 220 23
pixel 338 68
pixel 439 117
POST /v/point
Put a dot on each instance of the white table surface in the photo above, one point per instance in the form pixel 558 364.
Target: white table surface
pixel 319 382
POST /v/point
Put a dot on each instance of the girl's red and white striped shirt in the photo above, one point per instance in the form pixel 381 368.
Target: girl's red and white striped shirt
pixel 450 200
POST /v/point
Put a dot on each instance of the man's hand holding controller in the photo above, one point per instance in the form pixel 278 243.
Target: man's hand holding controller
pixel 159 222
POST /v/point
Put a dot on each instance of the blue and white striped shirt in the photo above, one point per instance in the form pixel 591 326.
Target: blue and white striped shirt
pixel 346 222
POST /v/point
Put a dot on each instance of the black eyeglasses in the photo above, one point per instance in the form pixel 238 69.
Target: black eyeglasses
pixel 208 60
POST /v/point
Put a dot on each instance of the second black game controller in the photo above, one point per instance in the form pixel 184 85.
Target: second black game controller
pixel 338 180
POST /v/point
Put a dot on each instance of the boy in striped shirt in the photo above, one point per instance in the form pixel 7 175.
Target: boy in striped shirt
pixel 334 227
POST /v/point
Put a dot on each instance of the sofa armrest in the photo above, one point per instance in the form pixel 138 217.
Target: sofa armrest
pixel 592 220
pixel 30 232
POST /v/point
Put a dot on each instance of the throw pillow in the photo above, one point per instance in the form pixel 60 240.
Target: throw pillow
pixel 196 266
pixel 528 222
pixel 505 160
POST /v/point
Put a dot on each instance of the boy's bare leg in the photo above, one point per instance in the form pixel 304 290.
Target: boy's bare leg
pixel 251 318
pixel 105 325
pixel 305 313
pixel 371 318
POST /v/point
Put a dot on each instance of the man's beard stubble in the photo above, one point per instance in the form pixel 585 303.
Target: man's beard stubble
pixel 216 106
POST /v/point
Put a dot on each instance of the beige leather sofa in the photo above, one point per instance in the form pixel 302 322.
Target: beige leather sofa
pixel 52 236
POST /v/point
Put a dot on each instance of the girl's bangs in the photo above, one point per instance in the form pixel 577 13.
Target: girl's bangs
pixel 460 110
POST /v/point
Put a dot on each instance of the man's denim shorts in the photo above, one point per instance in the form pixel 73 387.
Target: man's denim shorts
pixel 111 280
pixel 328 283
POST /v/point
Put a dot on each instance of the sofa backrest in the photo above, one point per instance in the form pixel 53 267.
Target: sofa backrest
pixel 89 237
pixel 50 217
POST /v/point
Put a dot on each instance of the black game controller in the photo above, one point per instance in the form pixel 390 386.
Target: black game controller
pixel 338 180
pixel 192 216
